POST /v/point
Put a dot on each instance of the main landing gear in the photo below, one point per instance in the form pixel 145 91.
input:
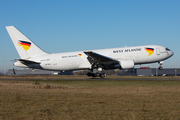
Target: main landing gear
pixel 102 75
pixel 96 73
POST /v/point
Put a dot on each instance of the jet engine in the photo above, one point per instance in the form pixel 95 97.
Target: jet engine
pixel 127 64
pixel 123 64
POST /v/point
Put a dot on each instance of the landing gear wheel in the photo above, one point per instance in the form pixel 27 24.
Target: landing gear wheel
pixel 94 75
pixel 160 68
pixel 160 63
pixel 102 75
pixel 89 74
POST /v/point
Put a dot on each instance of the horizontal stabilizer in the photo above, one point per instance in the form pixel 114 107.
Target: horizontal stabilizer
pixel 27 61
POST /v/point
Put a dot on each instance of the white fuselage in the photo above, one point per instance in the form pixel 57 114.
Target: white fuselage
pixel 78 60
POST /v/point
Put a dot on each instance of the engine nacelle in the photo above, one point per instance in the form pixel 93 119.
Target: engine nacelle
pixel 123 64
pixel 127 64
pixel 19 64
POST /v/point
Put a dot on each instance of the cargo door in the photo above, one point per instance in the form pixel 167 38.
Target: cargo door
pixel 157 51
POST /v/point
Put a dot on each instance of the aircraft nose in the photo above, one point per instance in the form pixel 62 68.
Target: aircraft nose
pixel 171 53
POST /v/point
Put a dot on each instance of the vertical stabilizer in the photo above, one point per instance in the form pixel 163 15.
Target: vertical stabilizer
pixel 25 47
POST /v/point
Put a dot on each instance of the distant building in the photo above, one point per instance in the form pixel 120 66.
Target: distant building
pixel 146 71
pixel 36 72
pixel 143 71
pixel 157 72
pixel 133 72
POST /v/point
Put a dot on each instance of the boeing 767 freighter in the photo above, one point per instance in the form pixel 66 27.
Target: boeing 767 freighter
pixel 31 56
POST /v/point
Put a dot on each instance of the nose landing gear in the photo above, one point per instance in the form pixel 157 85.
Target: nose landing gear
pixel 160 65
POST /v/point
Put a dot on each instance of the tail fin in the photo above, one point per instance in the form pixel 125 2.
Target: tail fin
pixel 25 47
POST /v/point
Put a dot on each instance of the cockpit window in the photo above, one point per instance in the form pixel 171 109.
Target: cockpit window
pixel 168 49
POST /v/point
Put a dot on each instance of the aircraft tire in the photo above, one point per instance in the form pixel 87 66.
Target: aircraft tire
pixel 160 68
pixel 94 75
pixel 102 75
pixel 89 74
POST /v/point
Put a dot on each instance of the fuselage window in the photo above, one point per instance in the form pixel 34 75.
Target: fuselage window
pixel 168 49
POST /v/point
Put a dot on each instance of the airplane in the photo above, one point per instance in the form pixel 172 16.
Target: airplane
pixel 31 56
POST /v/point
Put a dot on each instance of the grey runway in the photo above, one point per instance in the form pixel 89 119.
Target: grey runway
pixel 93 79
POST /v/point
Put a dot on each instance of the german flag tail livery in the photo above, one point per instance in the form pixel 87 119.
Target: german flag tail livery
pixel 150 51
pixel 25 47
pixel 24 44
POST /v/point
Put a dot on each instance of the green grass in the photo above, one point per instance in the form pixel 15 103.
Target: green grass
pixel 90 100
pixel 113 83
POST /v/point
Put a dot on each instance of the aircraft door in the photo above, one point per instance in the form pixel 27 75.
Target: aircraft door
pixel 157 51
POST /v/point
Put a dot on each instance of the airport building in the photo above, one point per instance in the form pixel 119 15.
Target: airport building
pixel 133 72
pixel 157 72
pixel 36 72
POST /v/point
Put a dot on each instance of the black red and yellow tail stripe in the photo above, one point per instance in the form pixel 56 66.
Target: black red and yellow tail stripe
pixel 25 45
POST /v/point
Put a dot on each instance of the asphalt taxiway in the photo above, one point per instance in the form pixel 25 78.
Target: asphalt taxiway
pixel 91 79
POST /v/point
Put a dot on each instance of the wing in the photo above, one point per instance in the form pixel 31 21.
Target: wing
pixel 98 60
pixel 98 57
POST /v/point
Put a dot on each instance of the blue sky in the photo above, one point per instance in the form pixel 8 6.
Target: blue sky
pixel 74 25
